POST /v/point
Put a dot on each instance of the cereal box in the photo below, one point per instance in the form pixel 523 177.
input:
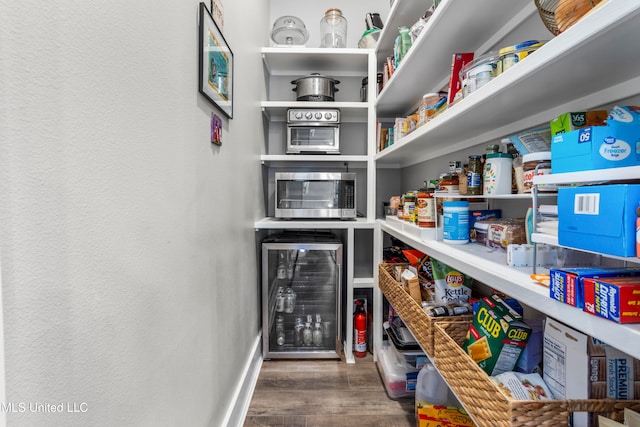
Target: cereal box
pixel 496 336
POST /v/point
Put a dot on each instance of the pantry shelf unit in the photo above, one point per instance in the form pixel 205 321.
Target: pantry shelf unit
pixel 489 266
pixel 574 69
pixel 350 112
pixel 302 60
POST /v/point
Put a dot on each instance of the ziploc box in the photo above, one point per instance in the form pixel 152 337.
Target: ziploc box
pixel 599 147
pixel 566 283
pixel 599 218
pixel 615 298
pixel 497 335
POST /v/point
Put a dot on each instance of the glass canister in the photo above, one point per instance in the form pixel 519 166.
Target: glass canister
pixel 474 175
pixel 409 207
pixel 333 29
pixel 543 161
pixel 426 207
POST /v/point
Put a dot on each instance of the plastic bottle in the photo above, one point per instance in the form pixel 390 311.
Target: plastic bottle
pixel 307 334
pixel 298 331
pixel 289 300
pixel 431 387
pixel 497 174
pixel 456 222
pixel 280 330
pixel 280 300
pixel 317 335
pixel 405 40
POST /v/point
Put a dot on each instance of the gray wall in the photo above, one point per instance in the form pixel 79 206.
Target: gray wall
pixel 129 278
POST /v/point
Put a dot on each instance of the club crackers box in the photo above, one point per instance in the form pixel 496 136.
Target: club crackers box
pixel 497 336
pixel 566 283
pixel 616 298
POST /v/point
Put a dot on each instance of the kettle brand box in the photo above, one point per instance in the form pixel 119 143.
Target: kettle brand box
pixel 496 336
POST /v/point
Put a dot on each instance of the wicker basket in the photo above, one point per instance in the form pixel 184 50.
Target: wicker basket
pixel 547 10
pixel 411 313
pixel 489 407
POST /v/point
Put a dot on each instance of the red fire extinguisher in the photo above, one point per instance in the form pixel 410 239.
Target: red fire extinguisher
pixel 360 331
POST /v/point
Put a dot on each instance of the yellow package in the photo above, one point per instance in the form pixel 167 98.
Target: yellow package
pixel 429 415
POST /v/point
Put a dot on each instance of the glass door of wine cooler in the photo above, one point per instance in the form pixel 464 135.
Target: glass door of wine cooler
pixel 301 288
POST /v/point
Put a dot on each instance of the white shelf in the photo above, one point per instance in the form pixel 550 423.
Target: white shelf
pixel 363 282
pixel 335 160
pixel 489 266
pixel 589 177
pixel 525 196
pixel 548 239
pixel 355 112
pixel 402 13
pixel 572 70
pixel 299 61
pixel 438 41
pixel 294 224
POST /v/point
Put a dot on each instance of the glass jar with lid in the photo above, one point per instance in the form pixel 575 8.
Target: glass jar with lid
pixel 333 29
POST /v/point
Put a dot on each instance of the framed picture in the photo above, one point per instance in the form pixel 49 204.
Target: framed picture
pixel 216 64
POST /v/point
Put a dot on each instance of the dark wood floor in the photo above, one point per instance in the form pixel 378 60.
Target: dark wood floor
pixel 306 393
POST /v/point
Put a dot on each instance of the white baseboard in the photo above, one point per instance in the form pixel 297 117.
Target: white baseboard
pixel 244 391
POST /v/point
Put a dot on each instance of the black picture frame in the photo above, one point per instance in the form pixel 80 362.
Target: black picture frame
pixel 215 64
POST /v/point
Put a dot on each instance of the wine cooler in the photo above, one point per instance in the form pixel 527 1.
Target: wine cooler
pixel 301 296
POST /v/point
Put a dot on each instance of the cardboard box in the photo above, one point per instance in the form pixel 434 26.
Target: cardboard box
pixel 566 284
pixel 497 336
pixel 568 122
pixel 599 147
pixel 615 298
pixel 612 374
pixel 455 86
pixel 482 214
pixel 599 218
pixel 532 140
pixel 565 364
pixel 428 415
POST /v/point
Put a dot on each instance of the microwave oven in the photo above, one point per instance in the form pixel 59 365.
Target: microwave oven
pixel 315 195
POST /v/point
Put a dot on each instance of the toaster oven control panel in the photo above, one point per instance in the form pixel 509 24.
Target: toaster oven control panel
pixel 313 115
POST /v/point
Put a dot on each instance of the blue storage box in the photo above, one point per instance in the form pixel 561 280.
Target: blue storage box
pixel 599 218
pixel 599 147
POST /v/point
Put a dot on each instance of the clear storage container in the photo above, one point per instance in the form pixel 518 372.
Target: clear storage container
pixel 333 29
